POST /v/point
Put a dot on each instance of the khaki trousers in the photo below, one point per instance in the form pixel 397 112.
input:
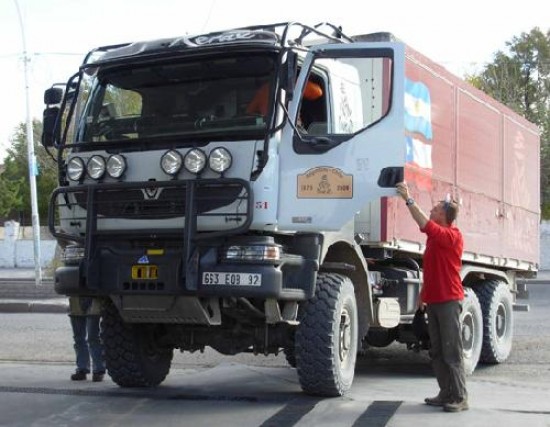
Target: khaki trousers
pixel 446 349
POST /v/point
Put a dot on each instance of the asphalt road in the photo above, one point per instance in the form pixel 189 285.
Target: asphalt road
pixel 210 389
pixel 41 337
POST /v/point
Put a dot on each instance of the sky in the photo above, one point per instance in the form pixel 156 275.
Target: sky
pixel 462 35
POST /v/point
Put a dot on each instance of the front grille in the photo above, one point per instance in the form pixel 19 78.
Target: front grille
pixel 158 202
pixel 228 199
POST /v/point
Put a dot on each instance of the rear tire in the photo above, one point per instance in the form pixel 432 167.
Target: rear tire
pixel 131 356
pixel 471 321
pixel 498 321
pixel 326 338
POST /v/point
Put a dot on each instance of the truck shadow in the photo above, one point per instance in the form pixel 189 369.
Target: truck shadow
pixel 394 360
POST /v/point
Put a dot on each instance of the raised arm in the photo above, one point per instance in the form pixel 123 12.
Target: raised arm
pixel 418 214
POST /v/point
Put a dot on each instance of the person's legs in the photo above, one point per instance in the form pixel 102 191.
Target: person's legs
pixel 96 347
pixel 452 350
pixel 78 324
pixel 439 366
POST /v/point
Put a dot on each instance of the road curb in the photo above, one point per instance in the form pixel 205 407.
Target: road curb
pixel 32 306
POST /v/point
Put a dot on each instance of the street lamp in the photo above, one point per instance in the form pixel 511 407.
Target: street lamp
pixel 33 169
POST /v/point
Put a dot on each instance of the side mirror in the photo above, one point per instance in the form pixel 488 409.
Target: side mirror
pixel 390 177
pixel 50 132
pixel 53 95
pixel 289 74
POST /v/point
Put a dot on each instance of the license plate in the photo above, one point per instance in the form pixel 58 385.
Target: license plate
pixel 144 272
pixel 232 279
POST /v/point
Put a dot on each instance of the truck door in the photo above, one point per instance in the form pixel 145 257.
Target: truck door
pixel 343 145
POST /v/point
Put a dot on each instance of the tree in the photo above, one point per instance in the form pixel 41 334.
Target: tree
pixel 15 198
pixel 10 198
pixel 520 78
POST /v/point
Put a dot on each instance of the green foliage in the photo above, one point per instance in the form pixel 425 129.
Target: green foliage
pixel 520 78
pixel 10 196
pixel 545 210
pixel 15 199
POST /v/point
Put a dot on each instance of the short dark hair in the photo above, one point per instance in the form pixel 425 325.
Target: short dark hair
pixel 451 210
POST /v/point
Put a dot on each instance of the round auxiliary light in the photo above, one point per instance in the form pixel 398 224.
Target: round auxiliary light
pixel 171 162
pixel 75 169
pixel 220 160
pixel 116 166
pixel 195 160
pixel 96 167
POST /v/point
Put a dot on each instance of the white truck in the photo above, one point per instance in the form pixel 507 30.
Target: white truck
pixel 211 197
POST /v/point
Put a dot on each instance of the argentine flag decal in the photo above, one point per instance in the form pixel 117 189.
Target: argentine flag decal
pixel 419 153
pixel 418 114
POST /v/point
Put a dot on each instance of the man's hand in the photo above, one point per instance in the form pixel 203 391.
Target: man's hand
pixel 418 215
pixel 403 190
pixel 421 305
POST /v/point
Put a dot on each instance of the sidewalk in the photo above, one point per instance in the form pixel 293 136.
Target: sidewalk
pixel 17 273
pixel 19 293
pixel 50 305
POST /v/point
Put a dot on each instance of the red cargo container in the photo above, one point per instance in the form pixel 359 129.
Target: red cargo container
pixel 482 154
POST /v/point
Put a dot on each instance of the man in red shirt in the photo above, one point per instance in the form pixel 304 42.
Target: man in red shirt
pixel 441 296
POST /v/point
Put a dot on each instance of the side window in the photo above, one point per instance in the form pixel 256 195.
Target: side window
pixel 356 95
pixel 313 114
pixel 81 101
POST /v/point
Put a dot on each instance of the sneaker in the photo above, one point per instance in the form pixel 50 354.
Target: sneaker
pixel 79 376
pixel 437 400
pixel 461 405
pixel 97 377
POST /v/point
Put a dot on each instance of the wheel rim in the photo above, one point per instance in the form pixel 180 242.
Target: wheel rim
pixel 501 323
pixel 468 334
pixel 345 336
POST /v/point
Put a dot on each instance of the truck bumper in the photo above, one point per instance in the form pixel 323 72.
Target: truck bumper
pixel 291 278
pixel 68 281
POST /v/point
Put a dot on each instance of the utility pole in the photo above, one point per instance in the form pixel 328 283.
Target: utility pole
pixel 33 167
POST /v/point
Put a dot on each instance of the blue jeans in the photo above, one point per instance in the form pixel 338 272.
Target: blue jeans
pixel 87 343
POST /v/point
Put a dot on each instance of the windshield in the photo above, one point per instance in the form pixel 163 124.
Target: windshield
pixel 217 96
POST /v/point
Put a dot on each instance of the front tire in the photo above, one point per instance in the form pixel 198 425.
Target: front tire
pixel 498 325
pixel 326 338
pixel 471 322
pixel 131 356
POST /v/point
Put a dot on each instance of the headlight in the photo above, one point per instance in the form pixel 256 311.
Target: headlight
pixel 195 160
pixel 171 162
pixel 96 167
pixel 252 253
pixel 116 166
pixel 220 160
pixel 75 169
